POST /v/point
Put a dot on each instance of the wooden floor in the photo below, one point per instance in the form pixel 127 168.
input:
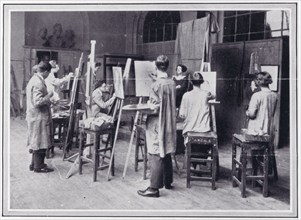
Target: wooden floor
pixel 52 194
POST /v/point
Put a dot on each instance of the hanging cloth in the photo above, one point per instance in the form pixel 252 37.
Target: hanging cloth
pixel 190 42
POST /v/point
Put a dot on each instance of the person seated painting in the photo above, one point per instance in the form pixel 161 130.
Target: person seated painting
pixel 262 107
pixel 100 102
pixel 195 110
pixel 55 84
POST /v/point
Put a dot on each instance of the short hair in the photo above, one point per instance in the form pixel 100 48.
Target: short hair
pixel 184 68
pixel 162 63
pixel 44 66
pixel 98 83
pixel 196 78
pixel 98 64
pixel 267 78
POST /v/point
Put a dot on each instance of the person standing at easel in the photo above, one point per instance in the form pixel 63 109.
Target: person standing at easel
pixel 161 130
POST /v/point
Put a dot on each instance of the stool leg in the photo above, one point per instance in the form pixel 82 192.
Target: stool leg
pixel 95 156
pixel 234 184
pixel 188 153
pixel 265 172
pixel 80 153
pixel 111 155
pixel 274 166
pixel 243 172
pixel 144 160
pixel 214 158
pixel 137 149
pixel 254 166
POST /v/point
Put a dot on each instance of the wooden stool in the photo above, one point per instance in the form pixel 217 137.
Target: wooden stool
pixel 249 146
pixel 141 145
pixel 96 150
pixel 59 131
pixel 207 138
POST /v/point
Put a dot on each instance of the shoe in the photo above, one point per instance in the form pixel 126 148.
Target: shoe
pixel 43 170
pixel 31 168
pixel 149 192
pixel 169 187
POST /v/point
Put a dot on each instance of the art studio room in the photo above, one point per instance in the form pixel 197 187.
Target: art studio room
pixel 150 110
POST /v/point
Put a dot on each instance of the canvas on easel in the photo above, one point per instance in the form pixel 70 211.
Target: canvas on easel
pixel 118 82
pixel 209 78
pixel 143 79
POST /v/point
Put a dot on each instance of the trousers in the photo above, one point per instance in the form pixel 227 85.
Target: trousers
pixel 160 170
pixel 38 157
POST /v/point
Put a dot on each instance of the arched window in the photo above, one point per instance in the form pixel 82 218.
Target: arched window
pixel 160 26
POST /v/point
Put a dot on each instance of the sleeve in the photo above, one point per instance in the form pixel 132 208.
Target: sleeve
pixel 97 98
pixel 183 107
pixel 253 105
pixel 154 94
pixel 38 97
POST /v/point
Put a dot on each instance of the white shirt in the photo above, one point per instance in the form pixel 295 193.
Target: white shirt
pixel 196 110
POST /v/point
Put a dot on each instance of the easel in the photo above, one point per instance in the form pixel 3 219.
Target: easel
pixel 73 102
pixel 89 82
pixel 131 140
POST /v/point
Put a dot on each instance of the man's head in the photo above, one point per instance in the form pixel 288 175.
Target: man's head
pixel 162 63
pixel 196 78
pixel 263 79
pixel 43 68
pixel 101 84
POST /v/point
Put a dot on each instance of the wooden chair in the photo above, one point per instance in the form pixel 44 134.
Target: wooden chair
pixel 239 165
pixel 97 151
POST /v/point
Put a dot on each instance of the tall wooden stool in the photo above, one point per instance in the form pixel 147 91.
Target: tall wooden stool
pixel 240 178
pixel 207 138
pixel 141 147
pixel 97 151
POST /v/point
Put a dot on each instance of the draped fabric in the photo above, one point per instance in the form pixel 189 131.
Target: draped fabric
pixel 191 41
pixel 161 128
pixel 167 120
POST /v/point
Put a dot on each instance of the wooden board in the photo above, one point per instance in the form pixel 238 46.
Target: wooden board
pixel 118 82
pixel 143 81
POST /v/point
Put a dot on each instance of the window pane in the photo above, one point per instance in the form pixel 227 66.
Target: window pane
pixel 273 19
pixel 168 33
pixel 257 22
pixel 243 37
pixel 276 34
pixel 201 14
pixel 243 24
pixel 145 35
pixel 257 36
pixel 228 39
pixel 160 34
pixel 153 34
pixel 174 31
pixel 286 33
pixel 242 12
pixel 229 13
pixel 229 26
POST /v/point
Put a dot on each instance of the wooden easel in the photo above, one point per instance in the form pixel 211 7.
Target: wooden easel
pixel 73 103
pixel 131 140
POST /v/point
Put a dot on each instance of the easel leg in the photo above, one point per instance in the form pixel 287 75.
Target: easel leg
pixel 131 141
